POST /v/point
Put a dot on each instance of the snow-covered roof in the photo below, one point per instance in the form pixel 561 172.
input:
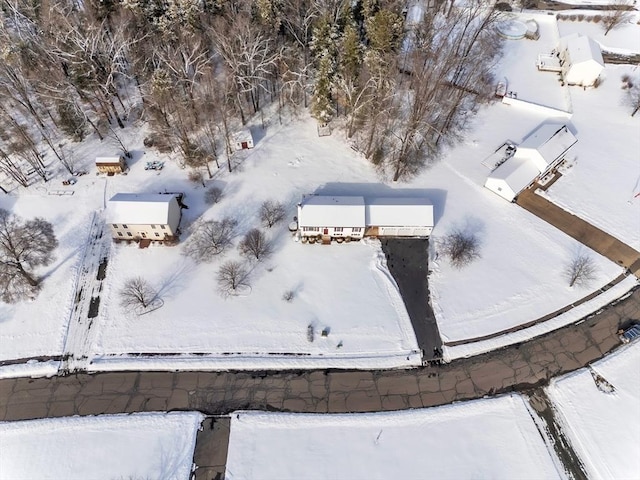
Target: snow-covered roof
pixel 115 160
pixel 242 135
pixel 399 212
pixel 140 209
pixel 327 211
pixel 582 49
pixel 517 173
pixel 550 141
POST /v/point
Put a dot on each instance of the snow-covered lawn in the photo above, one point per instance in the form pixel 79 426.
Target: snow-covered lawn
pixel 343 288
pixel 624 39
pixel 152 445
pixel 602 184
pixel 604 428
pixel 482 439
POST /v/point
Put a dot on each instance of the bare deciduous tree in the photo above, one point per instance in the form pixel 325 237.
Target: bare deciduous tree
pixel 580 270
pixel 461 246
pixel 213 195
pixel 255 244
pixel 232 276
pixel 24 245
pixel 620 13
pixel 137 292
pixel 271 212
pixel 210 238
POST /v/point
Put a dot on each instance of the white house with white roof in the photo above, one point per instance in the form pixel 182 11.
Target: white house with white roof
pixel 134 216
pixel 539 152
pixel 327 217
pixel 581 60
pixel 341 218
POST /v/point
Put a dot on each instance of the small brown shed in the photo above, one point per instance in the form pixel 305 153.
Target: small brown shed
pixel 111 164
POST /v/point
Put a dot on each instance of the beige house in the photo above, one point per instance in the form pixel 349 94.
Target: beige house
pixel 111 164
pixel 153 217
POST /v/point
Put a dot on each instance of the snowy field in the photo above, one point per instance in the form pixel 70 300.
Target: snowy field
pixel 518 65
pixel 343 289
pixel 602 185
pixel 152 445
pixel 604 428
pixel 482 439
pixel 624 39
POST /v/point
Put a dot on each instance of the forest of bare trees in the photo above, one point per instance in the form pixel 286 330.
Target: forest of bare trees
pixel 194 70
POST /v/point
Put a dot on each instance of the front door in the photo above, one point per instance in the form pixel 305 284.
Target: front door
pixel 326 231
pixel 245 145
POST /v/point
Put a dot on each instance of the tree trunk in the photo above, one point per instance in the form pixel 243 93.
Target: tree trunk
pixel 27 276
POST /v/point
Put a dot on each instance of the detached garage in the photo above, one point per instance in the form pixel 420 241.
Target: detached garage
pixel 399 217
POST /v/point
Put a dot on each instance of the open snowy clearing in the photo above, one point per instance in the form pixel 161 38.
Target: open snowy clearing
pixel 345 290
pixel 602 185
pixel 604 428
pixel 481 439
pixel 146 445
pixel 624 39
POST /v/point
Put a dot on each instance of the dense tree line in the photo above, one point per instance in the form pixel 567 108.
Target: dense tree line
pixel 195 69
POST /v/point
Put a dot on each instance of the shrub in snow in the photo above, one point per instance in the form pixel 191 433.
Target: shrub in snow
pixel 461 247
pixel 288 296
pixel 213 195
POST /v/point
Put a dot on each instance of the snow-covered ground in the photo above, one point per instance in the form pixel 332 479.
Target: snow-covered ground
pixel 494 438
pixel 602 185
pixel 343 288
pixel 149 445
pixel 604 428
pixel 624 39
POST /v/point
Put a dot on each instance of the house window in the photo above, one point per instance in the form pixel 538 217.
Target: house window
pixel 157 234
pixel 124 226
pixel 115 225
pixel 153 226
pixel 337 229
pixel 129 234
pixel 119 234
pixel 162 227
pixel 355 230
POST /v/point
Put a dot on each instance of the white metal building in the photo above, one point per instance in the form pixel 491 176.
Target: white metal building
pixel 581 59
pixel 538 153
pixel 325 216
pixel 399 217
pixel 134 216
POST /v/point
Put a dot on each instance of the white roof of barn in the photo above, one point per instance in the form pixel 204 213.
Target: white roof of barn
pixel 107 159
pixel 516 172
pixel 140 209
pixel 550 141
pixel 399 212
pixel 582 49
pixel 326 211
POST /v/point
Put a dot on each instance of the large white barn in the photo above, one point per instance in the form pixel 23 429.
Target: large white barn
pixel 540 152
pixel 134 216
pixel 581 60
pixel 351 217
